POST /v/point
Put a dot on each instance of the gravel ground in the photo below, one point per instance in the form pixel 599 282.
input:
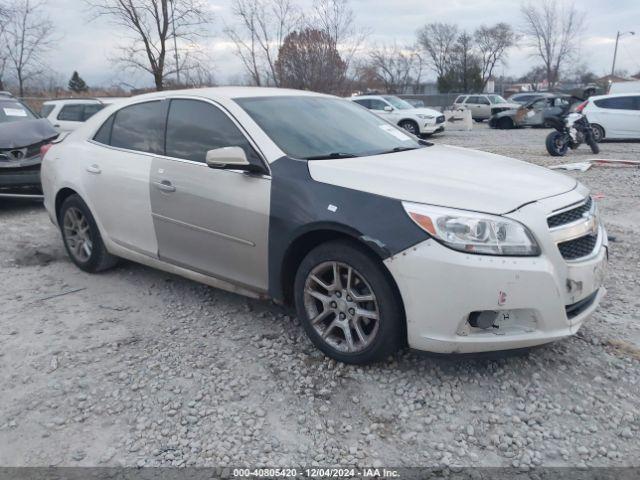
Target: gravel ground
pixel 139 367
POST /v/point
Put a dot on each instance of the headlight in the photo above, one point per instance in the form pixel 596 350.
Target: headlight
pixel 425 117
pixel 472 232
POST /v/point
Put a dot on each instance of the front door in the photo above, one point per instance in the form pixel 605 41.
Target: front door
pixel 212 221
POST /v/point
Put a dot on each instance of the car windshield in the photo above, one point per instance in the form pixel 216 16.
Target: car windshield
pixel 496 99
pixel 12 111
pixel 398 103
pixel 312 127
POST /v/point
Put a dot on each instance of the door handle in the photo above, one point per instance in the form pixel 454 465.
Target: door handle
pixel 165 186
pixel 94 169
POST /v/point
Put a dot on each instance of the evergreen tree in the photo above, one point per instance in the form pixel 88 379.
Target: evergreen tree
pixel 77 84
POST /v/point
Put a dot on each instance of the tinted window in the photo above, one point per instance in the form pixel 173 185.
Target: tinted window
pixel 377 104
pixel 71 113
pixel 460 99
pixel 194 128
pixel 308 126
pixel 13 111
pixel 104 134
pixel 619 103
pixel 91 110
pixel 46 110
pixel 139 127
pixel 473 100
pixel 365 102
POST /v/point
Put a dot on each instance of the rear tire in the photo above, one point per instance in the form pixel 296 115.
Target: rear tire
pixel 598 133
pixel 82 238
pixel 359 318
pixel 555 145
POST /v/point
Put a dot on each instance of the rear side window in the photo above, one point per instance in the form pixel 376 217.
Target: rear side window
pixel 139 127
pixel 619 103
pixel 195 127
pixel 71 113
pixel 460 99
pixel 365 102
pixel 46 110
pixel 91 110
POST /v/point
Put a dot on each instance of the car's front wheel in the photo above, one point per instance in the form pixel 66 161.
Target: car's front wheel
pixel 410 126
pixel 598 133
pixel 347 304
pixel 81 236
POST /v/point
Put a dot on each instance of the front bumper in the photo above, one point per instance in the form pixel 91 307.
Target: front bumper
pixel 430 129
pixel 536 299
pixel 20 179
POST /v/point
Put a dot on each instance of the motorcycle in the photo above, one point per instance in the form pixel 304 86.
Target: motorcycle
pixel 572 129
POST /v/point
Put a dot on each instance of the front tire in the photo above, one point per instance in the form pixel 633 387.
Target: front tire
pixel 556 144
pixel 82 238
pixel 505 123
pixel 348 305
pixel 410 126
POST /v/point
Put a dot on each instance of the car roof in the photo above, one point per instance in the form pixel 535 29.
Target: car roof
pixel 230 93
pixel 613 95
pixel 65 101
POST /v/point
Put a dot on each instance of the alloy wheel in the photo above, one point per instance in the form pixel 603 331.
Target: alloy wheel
pixel 341 306
pixel 76 230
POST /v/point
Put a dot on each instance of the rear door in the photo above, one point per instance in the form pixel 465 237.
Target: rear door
pixel 208 220
pixel 117 174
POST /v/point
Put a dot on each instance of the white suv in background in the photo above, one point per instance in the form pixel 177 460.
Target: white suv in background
pixel 614 116
pixel 418 121
pixel 68 114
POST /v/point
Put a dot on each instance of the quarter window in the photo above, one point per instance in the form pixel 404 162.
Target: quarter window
pixel 619 103
pixel 104 133
pixel 71 113
pixel 139 127
pixel 91 110
pixel 46 110
pixel 195 127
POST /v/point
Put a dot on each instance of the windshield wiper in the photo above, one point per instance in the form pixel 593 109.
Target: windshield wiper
pixel 397 149
pixel 330 156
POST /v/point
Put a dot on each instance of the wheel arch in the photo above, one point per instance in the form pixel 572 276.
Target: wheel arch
pixel 312 237
pixel 61 196
pixel 604 132
pixel 408 119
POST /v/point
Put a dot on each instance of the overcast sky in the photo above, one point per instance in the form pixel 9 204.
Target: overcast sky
pixel 86 45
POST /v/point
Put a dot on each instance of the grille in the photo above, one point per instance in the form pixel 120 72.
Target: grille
pixel 440 119
pixel 570 215
pixel 578 248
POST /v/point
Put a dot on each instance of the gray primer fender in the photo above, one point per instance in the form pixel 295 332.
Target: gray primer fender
pixel 300 205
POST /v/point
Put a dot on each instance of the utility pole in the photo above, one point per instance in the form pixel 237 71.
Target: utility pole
pixel 615 52
pixel 175 40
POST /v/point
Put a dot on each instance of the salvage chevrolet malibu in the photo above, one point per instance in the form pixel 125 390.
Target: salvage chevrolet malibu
pixel 377 238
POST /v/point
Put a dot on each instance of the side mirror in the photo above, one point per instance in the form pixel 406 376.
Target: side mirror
pixel 388 108
pixel 228 157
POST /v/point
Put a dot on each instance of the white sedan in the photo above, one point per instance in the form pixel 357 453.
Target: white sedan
pixel 614 116
pixel 416 120
pixel 376 238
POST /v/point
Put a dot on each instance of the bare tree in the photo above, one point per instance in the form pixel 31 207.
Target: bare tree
pixel 309 60
pixel 337 20
pixel 153 25
pixel 27 37
pixel 396 68
pixel 492 44
pixel 438 41
pixel 261 28
pixel 4 18
pixel 554 32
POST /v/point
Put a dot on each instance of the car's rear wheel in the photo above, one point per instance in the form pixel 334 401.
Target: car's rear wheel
pixel 347 304
pixel 81 236
pixel 598 133
pixel 410 126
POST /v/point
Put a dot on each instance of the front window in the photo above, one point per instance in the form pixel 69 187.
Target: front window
pixel 496 99
pixel 398 103
pixel 12 111
pixel 319 127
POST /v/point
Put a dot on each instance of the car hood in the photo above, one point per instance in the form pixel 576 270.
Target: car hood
pixel 446 176
pixel 506 106
pixel 424 111
pixel 25 133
